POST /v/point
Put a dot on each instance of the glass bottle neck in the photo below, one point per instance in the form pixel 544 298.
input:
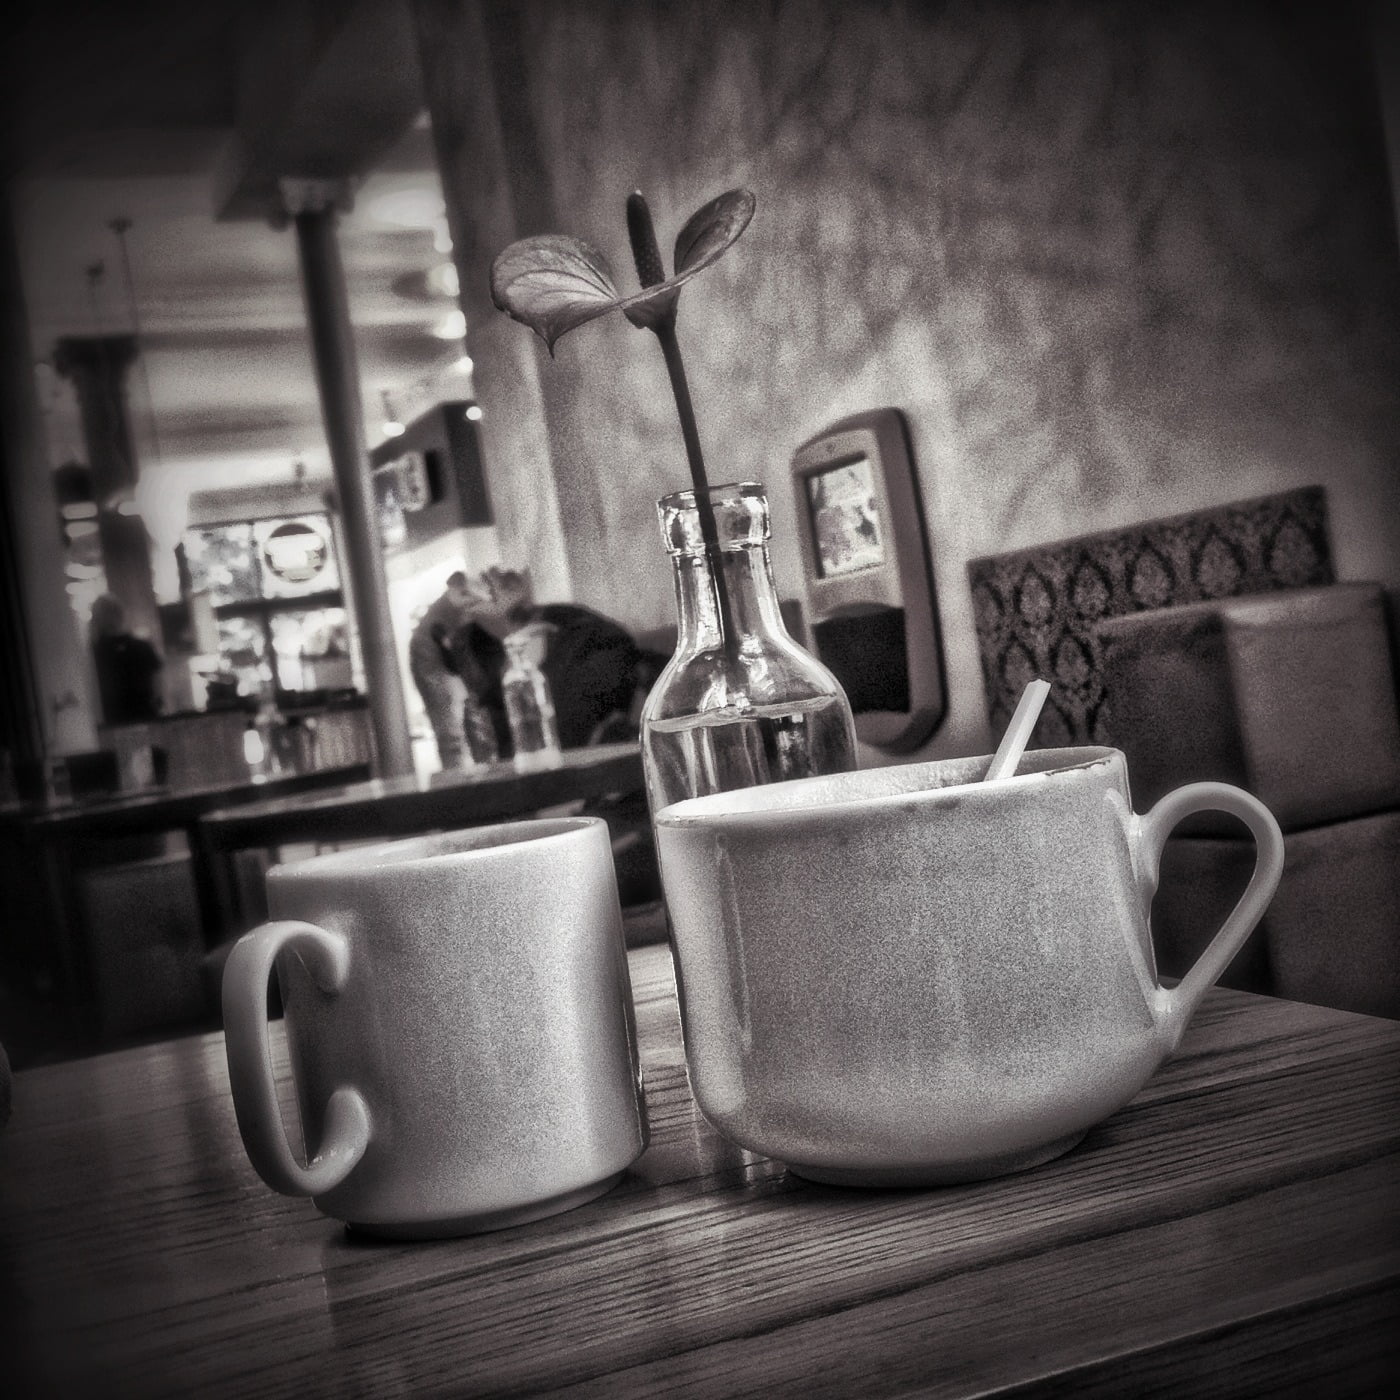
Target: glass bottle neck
pixel 725 597
pixel 750 595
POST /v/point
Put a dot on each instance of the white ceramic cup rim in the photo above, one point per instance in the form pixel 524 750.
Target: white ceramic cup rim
pixel 760 803
pixel 468 845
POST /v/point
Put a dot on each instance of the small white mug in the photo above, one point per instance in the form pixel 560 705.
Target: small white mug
pixel 459 1015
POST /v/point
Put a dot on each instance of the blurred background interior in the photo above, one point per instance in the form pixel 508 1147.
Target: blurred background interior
pixel 1130 273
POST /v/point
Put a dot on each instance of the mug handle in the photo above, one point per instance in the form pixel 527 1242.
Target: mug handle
pixel 1178 1004
pixel 326 956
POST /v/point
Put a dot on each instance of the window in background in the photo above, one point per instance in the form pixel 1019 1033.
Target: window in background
pixel 274 589
pixel 312 649
pixel 222 563
pixel 244 650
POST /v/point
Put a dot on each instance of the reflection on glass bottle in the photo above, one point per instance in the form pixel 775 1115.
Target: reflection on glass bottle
pixel 741 704
pixel 529 705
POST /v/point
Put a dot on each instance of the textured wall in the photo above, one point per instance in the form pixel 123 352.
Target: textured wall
pixel 1112 261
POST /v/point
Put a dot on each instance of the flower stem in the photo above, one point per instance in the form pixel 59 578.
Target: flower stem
pixel 680 387
pixel 641 233
pixel 709 531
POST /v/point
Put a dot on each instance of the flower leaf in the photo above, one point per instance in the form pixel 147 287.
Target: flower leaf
pixel 654 306
pixel 707 236
pixel 710 230
pixel 552 284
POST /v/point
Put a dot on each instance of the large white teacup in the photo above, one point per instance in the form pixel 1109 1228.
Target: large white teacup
pixel 907 976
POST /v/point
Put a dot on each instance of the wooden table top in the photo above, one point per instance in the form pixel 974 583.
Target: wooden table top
pixel 1234 1230
pixel 407 805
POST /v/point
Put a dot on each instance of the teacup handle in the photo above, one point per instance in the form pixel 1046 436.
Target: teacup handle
pixel 326 956
pixel 1178 1004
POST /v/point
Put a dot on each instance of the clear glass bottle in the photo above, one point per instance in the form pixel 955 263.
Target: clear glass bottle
pixel 742 703
pixel 534 731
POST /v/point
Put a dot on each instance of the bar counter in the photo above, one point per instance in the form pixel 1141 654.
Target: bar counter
pixel 1235 1230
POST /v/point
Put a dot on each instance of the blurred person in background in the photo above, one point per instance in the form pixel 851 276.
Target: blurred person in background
pixel 434 667
pixel 597 677
pixel 591 663
pixel 127 665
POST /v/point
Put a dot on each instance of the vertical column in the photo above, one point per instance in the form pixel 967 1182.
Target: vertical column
pixel 313 206
pixel 496 188
pixel 51 691
pixel 97 365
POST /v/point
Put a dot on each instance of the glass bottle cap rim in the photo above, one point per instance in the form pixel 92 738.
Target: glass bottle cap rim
pixel 740 512
pixel 732 490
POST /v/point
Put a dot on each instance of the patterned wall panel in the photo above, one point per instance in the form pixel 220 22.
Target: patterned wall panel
pixel 1036 609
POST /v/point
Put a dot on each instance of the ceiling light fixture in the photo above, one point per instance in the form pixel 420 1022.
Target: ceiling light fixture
pixel 429 285
pixel 442 280
pixel 452 326
pixel 411 206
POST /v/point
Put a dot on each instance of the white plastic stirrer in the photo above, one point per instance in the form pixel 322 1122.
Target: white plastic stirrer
pixel 1018 732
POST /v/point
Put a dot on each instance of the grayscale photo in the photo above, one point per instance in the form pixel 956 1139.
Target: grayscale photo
pixel 700 698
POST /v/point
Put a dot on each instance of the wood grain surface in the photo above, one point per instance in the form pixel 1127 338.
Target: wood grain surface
pixel 1233 1231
